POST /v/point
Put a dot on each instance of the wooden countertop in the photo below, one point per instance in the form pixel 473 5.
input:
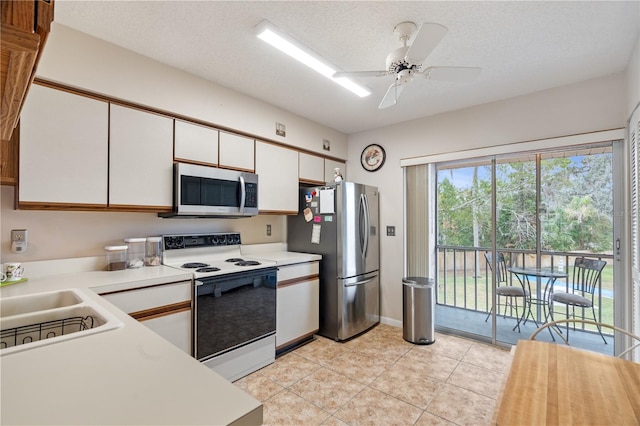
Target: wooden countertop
pixel 560 385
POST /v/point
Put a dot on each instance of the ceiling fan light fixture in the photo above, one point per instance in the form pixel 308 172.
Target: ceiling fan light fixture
pixel 270 34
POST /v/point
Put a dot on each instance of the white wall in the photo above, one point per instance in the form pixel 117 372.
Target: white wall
pixel 61 235
pixel 593 105
pixel 633 79
pixel 77 59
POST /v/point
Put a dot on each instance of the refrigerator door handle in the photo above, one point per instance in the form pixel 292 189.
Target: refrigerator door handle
pixel 359 282
pixel 364 230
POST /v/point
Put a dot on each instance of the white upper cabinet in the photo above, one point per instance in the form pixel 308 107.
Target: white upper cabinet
pixel 195 143
pixel 236 152
pixel 330 165
pixel 311 168
pixel 277 169
pixel 63 148
pixel 140 159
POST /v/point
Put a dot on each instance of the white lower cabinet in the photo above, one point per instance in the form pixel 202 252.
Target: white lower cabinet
pixel 297 314
pixel 174 327
pixel 165 309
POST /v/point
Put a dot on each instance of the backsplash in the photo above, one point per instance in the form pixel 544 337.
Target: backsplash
pixel 63 234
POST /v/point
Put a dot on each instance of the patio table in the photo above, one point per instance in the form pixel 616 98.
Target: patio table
pixel 541 298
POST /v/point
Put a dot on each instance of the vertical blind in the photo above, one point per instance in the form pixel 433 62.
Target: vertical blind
pixel 418 220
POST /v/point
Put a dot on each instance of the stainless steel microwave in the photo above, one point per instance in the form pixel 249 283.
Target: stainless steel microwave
pixel 201 191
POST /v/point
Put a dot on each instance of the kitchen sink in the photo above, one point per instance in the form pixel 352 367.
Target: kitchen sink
pixel 31 321
pixel 38 302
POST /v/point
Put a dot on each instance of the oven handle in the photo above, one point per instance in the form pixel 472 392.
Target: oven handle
pixel 243 194
pixel 194 337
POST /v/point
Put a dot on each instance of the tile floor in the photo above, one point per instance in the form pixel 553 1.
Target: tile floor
pixel 380 379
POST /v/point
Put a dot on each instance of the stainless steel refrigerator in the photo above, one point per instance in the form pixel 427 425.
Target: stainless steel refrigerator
pixel 340 222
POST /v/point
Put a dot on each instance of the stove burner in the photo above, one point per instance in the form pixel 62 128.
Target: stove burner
pixel 235 259
pixel 208 269
pixel 247 263
pixel 193 265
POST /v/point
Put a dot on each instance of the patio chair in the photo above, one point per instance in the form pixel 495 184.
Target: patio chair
pixel 584 280
pixel 511 292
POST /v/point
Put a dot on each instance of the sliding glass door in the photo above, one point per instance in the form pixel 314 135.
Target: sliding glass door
pixel 535 210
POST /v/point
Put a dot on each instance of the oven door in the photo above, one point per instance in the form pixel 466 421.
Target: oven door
pixel 233 310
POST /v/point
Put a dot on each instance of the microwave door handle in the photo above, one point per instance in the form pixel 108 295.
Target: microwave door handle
pixel 243 195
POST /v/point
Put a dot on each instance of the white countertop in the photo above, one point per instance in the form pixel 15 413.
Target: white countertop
pixel 106 280
pixel 277 253
pixel 128 375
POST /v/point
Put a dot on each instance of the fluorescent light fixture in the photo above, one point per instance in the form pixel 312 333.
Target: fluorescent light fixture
pixel 267 32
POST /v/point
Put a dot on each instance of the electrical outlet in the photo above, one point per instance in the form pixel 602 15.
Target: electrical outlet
pixel 268 230
pixel 18 240
pixel 19 235
pixel 391 231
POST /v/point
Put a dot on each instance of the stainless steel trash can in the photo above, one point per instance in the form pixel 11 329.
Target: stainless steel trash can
pixel 419 300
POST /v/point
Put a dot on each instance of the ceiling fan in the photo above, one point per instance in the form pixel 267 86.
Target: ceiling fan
pixel 406 62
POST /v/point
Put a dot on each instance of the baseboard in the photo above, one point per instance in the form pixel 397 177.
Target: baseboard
pixel 390 321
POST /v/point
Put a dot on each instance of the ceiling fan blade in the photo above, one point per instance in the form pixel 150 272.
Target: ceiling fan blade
pixel 392 95
pixel 361 74
pixel 452 73
pixel 425 41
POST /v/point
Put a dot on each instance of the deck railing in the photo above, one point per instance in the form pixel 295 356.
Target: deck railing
pixel 465 280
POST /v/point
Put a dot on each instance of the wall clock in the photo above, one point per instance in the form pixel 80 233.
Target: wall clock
pixel 372 157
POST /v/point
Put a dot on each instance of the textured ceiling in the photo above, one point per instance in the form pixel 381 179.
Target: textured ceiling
pixel 522 47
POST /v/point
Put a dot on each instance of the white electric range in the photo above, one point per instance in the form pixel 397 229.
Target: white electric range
pixel 234 319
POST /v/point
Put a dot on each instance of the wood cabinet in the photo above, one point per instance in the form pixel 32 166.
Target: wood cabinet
pixel 311 169
pixel 237 152
pixel 9 159
pixel 277 169
pixel 297 312
pixel 165 309
pixel 140 160
pixel 195 144
pixel 330 165
pixel 24 27
pixel 63 150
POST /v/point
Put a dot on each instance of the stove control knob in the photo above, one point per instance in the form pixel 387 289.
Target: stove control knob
pixel 173 243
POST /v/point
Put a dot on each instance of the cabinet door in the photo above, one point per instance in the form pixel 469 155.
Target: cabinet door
pixel 165 309
pixel 194 143
pixel 330 165
pixel 297 313
pixel 63 148
pixel 277 169
pixel 311 168
pixel 175 328
pixel 140 159
pixel 237 152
